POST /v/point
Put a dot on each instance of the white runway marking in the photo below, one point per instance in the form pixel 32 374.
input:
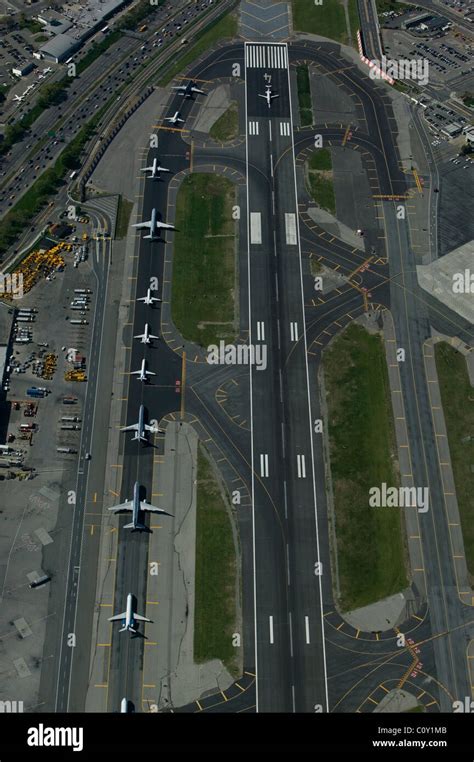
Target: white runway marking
pixel 271 56
pixel 285 128
pixel 306 627
pixel 261 331
pixel 290 229
pixel 263 464
pixel 294 331
pixel 255 227
pixel 301 463
pixel 253 128
pixel 270 622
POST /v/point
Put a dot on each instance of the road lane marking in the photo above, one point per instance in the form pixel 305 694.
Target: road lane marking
pixel 306 626
pixel 263 464
pixel 271 630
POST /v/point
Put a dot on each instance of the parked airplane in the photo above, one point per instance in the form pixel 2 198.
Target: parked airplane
pixel 143 373
pixel 174 119
pixel 153 225
pixel 188 90
pixel 155 170
pixel 148 299
pixel 136 506
pixel 268 95
pixel 46 71
pixel 140 428
pixel 145 337
pixel 129 617
pixel 19 98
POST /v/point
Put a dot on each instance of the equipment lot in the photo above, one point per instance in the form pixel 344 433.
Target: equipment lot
pixel 32 539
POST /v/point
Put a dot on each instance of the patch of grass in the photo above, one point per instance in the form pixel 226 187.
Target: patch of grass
pixel 370 541
pixel 320 180
pixel 327 19
pixel 322 191
pixel 320 159
pixel 216 569
pixel 468 100
pixel 227 126
pixel 41 38
pixel 384 6
pixel 224 27
pixel 457 396
pixel 304 96
pixel 315 267
pixel 203 299
pixel 123 217
pixel 353 20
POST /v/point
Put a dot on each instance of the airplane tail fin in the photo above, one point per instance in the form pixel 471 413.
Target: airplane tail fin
pixel 134 526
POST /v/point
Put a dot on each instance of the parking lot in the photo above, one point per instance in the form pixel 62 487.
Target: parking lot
pixel 448 59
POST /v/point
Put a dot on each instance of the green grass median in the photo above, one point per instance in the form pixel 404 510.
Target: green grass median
pixel 216 570
pixel 320 179
pixel 370 541
pixel 457 396
pixel 227 126
pixel 204 266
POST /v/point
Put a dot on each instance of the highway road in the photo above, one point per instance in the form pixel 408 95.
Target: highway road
pixel 370 29
pixel 119 66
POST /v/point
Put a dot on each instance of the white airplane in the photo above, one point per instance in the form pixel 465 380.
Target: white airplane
pixel 143 373
pixel 136 506
pixel 19 98
pixel 148 299
pixel 268 95
pixel 129 617
pixel 153 226
pixel 155 170
pixel 145 337
pixel 46 71
pixel 141 427
pixel 174 119
pixel 188 90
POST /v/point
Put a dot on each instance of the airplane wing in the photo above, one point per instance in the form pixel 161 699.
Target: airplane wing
pixel 164 225
pixel 275 95
pixel 146 169
pixel 135 372
pixel 197 90
pixel 179 87
pixel 132 427
pixel 117 617
pixel 144 506
pixel 141 618
pixel 150 373
pixel 121 507
pixel 141 225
